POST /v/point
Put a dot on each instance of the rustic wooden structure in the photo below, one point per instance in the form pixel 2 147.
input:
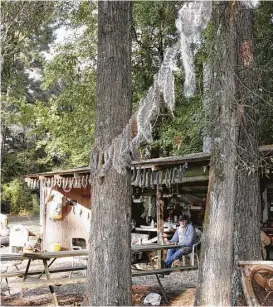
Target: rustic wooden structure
pixel 164 178
pixel 74 223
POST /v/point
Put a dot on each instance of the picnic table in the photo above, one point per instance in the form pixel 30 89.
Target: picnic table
pixel 48 258
pixel 154 229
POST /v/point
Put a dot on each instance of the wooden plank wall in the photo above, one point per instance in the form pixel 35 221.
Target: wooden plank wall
pixel 75 221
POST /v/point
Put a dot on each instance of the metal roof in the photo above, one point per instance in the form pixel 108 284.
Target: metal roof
pixel 162 161
pixel 194 157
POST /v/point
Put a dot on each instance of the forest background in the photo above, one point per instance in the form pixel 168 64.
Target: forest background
pixel 48 102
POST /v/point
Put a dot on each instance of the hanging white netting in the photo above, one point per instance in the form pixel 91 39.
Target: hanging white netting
pixel 251 4
pixel 193 18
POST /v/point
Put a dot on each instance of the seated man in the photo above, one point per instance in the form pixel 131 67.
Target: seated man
pixel 184 235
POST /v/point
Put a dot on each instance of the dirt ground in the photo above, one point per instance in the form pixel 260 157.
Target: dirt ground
pixel 185 298
pixel 179 286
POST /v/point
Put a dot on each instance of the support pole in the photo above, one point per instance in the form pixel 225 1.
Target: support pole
pixel 160 219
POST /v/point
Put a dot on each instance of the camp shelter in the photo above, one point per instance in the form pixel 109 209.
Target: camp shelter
pixel 174 183
pixel 64 206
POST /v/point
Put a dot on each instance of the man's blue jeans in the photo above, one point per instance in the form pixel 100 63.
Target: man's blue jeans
pixel 176 253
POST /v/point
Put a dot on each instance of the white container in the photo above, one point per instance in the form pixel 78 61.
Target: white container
pixel 19 236
pixel 4 232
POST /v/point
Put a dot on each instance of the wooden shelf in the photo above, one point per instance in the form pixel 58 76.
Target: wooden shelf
pixel 267 229
pixel 197 209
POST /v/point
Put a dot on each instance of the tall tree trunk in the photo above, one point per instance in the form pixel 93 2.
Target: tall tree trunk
pixel 109 273
pixel 207 105
pixel 232 221
pixel 215 282
pixel 248 199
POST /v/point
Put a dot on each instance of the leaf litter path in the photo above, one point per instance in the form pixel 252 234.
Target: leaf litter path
pixel 186 298
pixel 179 287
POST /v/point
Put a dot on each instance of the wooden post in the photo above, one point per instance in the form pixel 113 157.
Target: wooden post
pixel 42 210
pixel 160 219
pixel 265 209
pixel 51 288
pixel 45 198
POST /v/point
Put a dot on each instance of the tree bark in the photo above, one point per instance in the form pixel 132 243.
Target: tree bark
pixel 109 265
pixel 233 200
pixel 215 282
pixel 247 212
pixel 207 77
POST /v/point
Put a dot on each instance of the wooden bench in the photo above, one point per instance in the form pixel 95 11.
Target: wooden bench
pixel 162 271
pixel 37 272
pixel 33 284
pixel 10 257
pixel 65 281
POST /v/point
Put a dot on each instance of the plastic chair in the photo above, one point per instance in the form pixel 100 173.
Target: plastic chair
pixel 194 253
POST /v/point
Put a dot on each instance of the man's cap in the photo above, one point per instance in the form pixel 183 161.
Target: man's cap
pixel 183 218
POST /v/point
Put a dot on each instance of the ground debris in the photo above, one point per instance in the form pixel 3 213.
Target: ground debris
pixel 42 300
pixel 139 292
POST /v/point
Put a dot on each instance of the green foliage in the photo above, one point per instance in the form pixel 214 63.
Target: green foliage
pixel 183 133
pixel 19 197
pixel 68 118
pixel 35 204
pixel 154 25
pixel 26 32
pixel 153 31
pixel 49 122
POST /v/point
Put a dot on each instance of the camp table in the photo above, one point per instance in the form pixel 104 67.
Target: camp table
pixel 45 257
pixel 50 282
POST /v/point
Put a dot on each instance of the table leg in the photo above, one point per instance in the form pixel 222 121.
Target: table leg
pixel 50 287
pixel 48 267
pixel 7 285
pixel 159 257
pixel 162 289
pixel 158 280
pixel 25 277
